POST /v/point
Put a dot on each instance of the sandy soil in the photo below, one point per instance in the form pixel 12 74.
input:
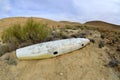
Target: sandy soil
pixel 87 63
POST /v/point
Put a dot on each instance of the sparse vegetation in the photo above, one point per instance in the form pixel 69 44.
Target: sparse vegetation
pixel 92 40
pixel 101 44
pixel 1 50
pixel 68 27
pixel 102 36
pixel 82 35
pixel 74 36
pixel 11 61
pixel 30 32
pixel 4 49
pixel 74 27
pixel 35 32
pixel 118 48
pixel 113 63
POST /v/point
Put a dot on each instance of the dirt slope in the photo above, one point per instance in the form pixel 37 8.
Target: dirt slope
pixel 88 63
pixel 84 64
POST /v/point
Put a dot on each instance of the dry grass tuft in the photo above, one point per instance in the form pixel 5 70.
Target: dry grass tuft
pixel 31 32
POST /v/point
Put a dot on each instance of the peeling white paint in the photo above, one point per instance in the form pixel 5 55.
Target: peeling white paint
pixel 51 49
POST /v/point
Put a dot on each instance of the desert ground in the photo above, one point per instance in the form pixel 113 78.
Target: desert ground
pixel 99 60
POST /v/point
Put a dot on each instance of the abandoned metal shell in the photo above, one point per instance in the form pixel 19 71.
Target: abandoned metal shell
pixel 51 49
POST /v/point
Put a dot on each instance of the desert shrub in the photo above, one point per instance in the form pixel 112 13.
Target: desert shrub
pixel 12 34
pixel 59 34
pixel 74 35
pixel 92 40
pixel 35 32
pixel 82 35
pixel 113 63
pixel 31 31
pixel 82 27
pixel 101 44
pixel 71 27
pixel 86 27
pixel 102 36
pixel 3 49
pixel 11 61
pixel 118 48
pixel 117 38
pixel 50 38
pixel 55 35
pixel 68 27
pixel 62 34
pixel 78 26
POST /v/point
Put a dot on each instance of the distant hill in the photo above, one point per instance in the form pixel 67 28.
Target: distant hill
pixel 103 25
pixel 6 22
pixel 69 22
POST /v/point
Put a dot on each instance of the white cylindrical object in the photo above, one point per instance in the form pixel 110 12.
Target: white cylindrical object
pixel 51 49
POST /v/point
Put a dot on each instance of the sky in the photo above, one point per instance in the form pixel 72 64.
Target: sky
pixel 70 10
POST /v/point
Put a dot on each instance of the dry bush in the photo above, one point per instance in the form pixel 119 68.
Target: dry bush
pixel 68 27
pixel 35 32
pixel 12 34
pixel 101 44
pixel 3 49
pixel 31 31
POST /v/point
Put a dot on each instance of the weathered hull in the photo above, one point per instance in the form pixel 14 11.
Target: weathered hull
pixel 51 49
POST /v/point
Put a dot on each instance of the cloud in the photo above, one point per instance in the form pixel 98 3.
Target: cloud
pixel 4 7
pixel 45 6
pixel 106 10
pixel 73 10
pixel 57 10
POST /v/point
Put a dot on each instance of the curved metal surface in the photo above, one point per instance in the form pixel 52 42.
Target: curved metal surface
pixel 51 49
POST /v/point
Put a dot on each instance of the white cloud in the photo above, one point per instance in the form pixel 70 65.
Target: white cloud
pixel 73 10
pixel 106 10
pixel 4 8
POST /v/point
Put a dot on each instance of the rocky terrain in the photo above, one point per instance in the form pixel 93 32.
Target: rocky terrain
pixel 99 60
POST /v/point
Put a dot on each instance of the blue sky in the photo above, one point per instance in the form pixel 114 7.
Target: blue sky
pixel 71 10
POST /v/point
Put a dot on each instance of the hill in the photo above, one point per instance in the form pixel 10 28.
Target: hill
pixel 6 22
pixel 103 25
